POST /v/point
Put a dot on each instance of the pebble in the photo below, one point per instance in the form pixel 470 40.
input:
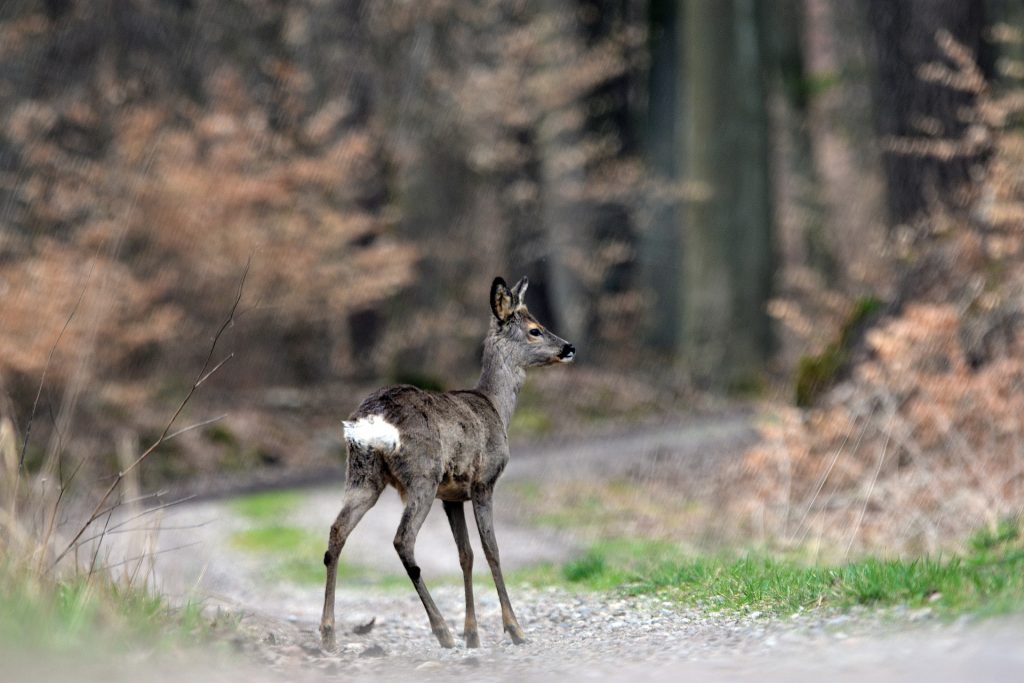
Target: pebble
pixel 373 651
pixel 579 635
pixel 430 666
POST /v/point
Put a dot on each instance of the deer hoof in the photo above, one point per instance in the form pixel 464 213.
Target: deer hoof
pixel 472 639
pixel 516 633
pixel 444 637
pixel 327 641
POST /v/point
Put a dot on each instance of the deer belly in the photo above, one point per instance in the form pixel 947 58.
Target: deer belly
pixel 454 487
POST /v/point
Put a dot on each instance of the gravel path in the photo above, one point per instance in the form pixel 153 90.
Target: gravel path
pixel 610 638
pixel 580 636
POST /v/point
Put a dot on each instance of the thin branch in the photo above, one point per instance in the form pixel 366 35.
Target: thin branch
pixel 202 376
pixel 50 526
pixel 871 487
pixel 215 369
pixel 195 426
pixel 820 484
pixel 135 573
pixel 96 553
pixel 46 367
pixel 121 502
pixel 152 554
pixel 139 515
pixel 63 487
pixel 112 531
pixel 145 496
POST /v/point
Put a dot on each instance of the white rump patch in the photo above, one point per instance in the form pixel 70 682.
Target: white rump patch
pixel 373 431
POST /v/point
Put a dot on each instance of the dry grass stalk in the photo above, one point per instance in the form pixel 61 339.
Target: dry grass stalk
pixel 204 374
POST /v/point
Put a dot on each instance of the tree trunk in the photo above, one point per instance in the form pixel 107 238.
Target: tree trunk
pixel 907 106
pixel 660 246
pixel 837 46
pixel 728 259
pixel 800 211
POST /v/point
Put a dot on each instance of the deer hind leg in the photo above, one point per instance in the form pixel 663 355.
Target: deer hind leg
pixel 418 501
pixel 457 521
pixel 484 522
pixel 358 499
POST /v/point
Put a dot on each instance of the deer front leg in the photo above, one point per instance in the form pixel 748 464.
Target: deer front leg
pixel 457 521
pixel 415 513
pixel 484 522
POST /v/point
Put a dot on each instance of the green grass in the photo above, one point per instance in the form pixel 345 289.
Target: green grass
pixel 292 553
pixel 268 505
pixel 607 565
pixel 987 579
pixel 90 615
pixel 296 555
pixel 278 539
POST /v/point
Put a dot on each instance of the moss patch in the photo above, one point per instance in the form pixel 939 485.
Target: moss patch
pixel 815 374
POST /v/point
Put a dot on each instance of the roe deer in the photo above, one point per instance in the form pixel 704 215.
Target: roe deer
pixel 452 446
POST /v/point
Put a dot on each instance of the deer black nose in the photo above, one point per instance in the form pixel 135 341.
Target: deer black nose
pixel 568 352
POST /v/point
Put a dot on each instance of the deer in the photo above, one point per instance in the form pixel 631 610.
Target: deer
pixel 451 446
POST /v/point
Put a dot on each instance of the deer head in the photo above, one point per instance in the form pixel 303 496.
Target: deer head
pixel 515 333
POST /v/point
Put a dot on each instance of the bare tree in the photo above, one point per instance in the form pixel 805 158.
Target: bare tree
pixel 728 249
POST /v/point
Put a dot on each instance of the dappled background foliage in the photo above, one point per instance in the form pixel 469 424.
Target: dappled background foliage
pixel 815 206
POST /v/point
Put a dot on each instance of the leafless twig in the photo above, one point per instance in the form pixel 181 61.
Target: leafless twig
pixel 204 423
pixel 42 379
pixel 148 554
pixel 99 544
pixel 204 374
pixel 140 515
pixel 52 525
pixel 874 480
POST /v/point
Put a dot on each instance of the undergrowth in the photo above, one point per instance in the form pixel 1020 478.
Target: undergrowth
pixel 91 614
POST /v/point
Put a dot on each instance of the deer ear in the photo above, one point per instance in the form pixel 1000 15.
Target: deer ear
pixel 519 292
pixel 501 300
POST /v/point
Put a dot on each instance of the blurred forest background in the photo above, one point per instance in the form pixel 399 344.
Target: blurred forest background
pixel 814 204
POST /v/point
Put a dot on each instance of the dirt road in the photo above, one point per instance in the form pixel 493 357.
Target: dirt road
pixel 571 635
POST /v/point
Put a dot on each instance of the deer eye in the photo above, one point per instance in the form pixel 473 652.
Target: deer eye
pixel 535 332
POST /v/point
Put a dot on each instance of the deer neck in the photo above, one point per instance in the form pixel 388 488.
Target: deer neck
pixel 500 381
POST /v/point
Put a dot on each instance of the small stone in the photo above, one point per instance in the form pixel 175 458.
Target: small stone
pixel 373 651
pixel 430 666
pixel 363 629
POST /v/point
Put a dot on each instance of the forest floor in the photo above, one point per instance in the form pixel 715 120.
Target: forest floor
pixel 256 558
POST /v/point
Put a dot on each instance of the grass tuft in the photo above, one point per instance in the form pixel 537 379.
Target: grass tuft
pixel 83 614
pixel 587 568
pixel 987 579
